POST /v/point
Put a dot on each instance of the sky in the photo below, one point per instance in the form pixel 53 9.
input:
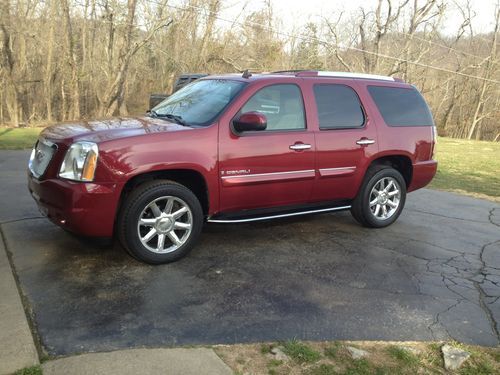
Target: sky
pixel 298 12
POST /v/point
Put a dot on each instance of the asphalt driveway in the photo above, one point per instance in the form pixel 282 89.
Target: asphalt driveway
pixel 432 275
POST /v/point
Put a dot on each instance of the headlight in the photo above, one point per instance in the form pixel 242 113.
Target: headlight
pixel 80 162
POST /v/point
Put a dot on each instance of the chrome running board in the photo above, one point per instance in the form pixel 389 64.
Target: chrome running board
pixel 277 216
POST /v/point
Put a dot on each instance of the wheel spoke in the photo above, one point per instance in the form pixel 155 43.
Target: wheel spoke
pixel 177 214
pixel 147 222
pixel 149 236
pixel 392 204
pixel 173 237
pixel 393 193
pixel 389 185
pixel 384 211
pixel 156 210
pixel 161 242
pixel 373 202
pixel 169 205
pixel 377 210
pixel 179 225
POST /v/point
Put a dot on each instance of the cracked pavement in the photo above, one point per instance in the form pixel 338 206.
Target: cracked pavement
pixel 433 275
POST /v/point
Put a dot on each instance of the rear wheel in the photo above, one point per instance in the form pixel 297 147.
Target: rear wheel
pixel 160 222
pixel 381 197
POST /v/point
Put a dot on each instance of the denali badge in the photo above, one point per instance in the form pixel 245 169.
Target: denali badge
pixel 233 172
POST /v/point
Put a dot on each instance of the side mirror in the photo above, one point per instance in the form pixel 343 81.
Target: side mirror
pixel 250 121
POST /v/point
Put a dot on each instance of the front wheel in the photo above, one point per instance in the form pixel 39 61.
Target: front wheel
pixel 160 222
pixel 381 197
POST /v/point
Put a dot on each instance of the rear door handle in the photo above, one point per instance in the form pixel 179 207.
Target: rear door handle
pixel 365 141
pixel 300 147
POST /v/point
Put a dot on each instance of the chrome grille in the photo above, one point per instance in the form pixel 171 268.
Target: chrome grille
pixel 40 157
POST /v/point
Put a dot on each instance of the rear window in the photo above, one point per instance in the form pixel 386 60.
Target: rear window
pixel 338 107
pixel 401 106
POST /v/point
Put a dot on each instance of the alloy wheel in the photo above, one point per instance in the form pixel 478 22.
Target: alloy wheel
pixel 385 198
pixel 165 224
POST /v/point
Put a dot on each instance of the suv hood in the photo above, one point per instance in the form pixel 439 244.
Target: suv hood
pixel 105 130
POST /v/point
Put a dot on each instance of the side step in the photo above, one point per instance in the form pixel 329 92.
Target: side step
pixel 249 217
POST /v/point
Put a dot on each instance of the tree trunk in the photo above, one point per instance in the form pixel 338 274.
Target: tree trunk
pixel 49 72
pixel 480 104
pixel 9 65
pixel 72 62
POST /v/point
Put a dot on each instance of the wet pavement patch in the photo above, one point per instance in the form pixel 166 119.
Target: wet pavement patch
pixel 433 275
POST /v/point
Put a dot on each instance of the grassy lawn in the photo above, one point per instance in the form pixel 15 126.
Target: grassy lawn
pixel 18 138
pixel 332 358
pixel 471 167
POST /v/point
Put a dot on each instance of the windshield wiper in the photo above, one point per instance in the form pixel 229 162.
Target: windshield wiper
pixel 152 113
pixel 177 119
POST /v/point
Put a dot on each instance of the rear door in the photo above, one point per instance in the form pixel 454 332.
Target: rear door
pixel 273 167
pixel 346 137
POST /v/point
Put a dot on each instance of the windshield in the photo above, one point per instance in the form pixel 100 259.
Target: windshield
pixel 200 102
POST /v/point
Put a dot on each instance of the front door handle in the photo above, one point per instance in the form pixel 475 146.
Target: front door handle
pixel 365 141
pixel 300 147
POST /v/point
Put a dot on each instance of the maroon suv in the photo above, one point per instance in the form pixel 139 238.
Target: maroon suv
pixel 234 149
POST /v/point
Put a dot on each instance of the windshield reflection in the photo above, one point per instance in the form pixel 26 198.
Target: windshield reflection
pixel 200 102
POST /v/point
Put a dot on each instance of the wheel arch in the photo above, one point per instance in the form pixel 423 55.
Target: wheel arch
pixel 402 163
pixel 190 178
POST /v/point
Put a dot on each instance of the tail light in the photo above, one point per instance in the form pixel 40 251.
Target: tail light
pixel 434 141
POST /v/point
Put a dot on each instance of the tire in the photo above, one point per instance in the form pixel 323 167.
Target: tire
pixel 160 222
pixel 385 187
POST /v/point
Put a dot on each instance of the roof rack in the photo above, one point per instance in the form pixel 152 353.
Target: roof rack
pixel 345 75
pixel 290 71
pixel 316 73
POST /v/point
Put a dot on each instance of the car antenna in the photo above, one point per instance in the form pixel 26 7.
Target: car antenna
pixel 246 74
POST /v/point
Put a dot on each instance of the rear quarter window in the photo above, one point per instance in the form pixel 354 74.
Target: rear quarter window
pixel 401 106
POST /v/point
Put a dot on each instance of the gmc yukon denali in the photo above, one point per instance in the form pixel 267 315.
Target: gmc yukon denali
pixel 235 149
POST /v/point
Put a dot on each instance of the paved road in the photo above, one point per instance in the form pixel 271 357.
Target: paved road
pixel 434 274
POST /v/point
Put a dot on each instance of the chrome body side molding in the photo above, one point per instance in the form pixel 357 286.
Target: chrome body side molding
pixel 342 171
pixel 244 179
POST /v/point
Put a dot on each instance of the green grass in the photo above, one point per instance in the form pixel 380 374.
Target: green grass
pixel 323 369
pixel 35 370
pixel 403 356
pixel 333 350
pixel 333 358
pixel 265 348
pixel 18 138
pixel 468 166
pixel 300 352
pixel 464 166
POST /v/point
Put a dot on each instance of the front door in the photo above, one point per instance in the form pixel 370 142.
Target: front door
pixel 272 167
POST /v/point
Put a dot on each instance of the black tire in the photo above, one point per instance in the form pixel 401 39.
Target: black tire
pixel 136 205
pixel 361 209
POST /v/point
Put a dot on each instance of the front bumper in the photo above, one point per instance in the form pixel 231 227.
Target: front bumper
pixel 88 209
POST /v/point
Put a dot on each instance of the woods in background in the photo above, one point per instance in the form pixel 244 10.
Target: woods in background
pixel 64 60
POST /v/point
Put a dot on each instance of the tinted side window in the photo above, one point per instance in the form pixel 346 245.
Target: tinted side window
pixel 401 107
pixel 338 107
pixel 282 105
